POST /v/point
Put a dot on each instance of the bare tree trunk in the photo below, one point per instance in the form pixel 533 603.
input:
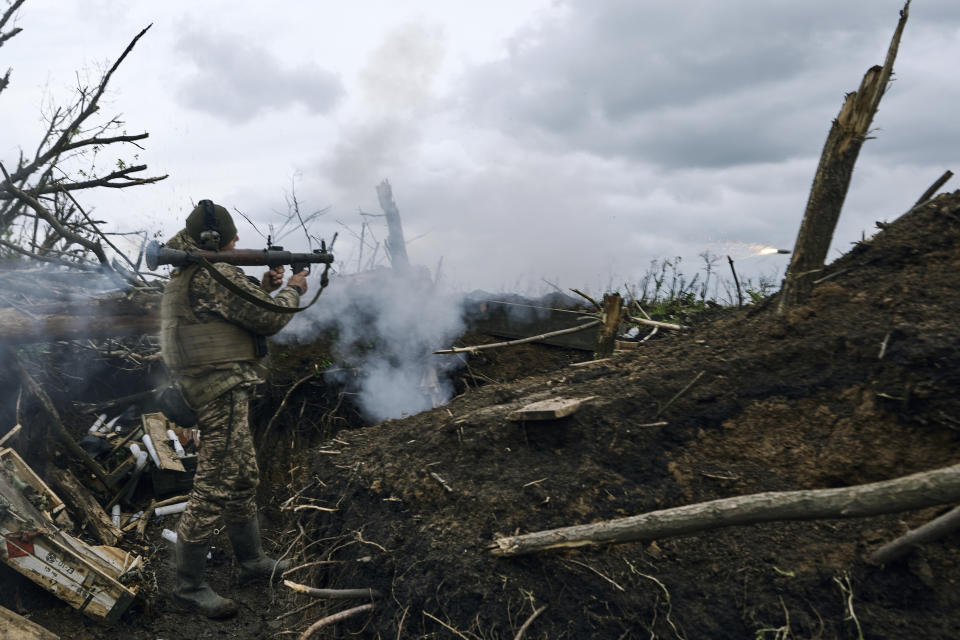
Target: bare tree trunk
pixel 941 486
pixel 833 175
pixel 396 245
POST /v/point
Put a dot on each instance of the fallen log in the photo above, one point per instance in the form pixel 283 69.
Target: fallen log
pixel 85 506
pixel 18 327
pixel 917 491
pixel 933 530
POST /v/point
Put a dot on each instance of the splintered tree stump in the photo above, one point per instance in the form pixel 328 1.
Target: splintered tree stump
pixel 832 179
pixel 612 311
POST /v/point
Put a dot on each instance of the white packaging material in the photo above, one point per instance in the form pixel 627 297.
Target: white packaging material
pixel 171 536
pixel 107 428
pixel 176 443
pixel 148 443
pixel 115 514
pixel 139 455
pixel 97 423
pixel 170 508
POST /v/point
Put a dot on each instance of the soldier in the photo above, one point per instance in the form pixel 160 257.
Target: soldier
pixel 211 341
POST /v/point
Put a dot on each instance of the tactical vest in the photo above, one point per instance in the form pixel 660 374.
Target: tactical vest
pixel 187 342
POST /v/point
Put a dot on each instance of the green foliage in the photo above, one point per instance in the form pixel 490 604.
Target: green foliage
pixel 666 293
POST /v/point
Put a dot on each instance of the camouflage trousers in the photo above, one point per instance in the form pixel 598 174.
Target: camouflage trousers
pixel 225 485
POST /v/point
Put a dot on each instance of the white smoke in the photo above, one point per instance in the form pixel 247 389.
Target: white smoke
pixel 383 328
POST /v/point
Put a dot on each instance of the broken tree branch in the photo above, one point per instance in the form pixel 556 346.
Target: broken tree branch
pixel 37 391
pixel 658 324
pixel 333 594
pixel 736 282
pixel 526 625
pixel 510 343
pixel 933 530
pixel 595 304
pixel 85 506
pixel 336 617
pixel 942 180
pixel 678 394
pixel 916 491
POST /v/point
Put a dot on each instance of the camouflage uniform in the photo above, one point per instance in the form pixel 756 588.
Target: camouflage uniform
pixel 227 475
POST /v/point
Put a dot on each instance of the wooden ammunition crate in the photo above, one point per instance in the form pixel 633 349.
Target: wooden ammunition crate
pixel 85 577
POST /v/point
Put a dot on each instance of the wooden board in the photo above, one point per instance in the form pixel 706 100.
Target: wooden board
pixel 156 425
pixel 548 409
pixel 16 627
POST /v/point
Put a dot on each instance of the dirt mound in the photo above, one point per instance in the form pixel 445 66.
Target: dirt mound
pixel 858 385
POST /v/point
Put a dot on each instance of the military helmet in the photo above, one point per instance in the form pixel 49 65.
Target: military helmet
pixel 211 226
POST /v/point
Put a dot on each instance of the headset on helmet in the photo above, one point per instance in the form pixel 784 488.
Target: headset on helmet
pixel 210 236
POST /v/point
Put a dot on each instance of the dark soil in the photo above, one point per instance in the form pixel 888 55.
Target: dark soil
pixel 802 400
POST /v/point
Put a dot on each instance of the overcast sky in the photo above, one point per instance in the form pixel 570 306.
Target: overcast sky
pixel 572 140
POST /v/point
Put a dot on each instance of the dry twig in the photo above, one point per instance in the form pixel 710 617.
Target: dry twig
pixel 526 625
pixel 331 619
pixel 333 594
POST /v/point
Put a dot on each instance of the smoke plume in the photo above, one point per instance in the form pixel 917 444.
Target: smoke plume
pixel 383 328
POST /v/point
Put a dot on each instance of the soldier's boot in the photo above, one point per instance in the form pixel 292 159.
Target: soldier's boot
pixel 191 590
pixel 254 563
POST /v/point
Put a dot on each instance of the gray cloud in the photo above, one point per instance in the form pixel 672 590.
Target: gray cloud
pixel 237 80
pixel 700 84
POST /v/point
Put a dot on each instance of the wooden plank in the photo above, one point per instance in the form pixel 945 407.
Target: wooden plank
pixel 15 627
pixel 548 409
pixel 156 425
pixel 84 505
pixel 10 434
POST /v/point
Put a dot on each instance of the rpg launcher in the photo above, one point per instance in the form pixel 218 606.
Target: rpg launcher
pixel 272 256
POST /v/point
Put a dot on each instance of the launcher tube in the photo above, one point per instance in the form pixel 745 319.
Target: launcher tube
pixel 157 255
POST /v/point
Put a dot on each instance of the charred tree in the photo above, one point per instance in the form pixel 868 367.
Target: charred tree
pixel 832 179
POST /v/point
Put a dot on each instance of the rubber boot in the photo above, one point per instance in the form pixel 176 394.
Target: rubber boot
pixel 254 563
pixel 191 590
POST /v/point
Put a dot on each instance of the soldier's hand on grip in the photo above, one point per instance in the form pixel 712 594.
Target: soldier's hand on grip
pixel 299 280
